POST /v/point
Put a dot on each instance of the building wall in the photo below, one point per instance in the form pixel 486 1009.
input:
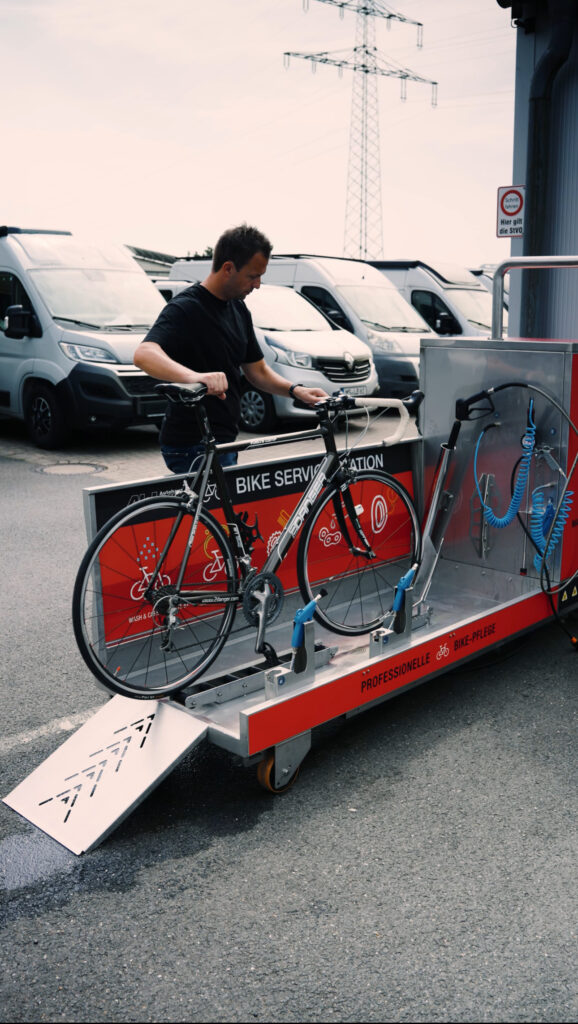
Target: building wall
pixel 550 296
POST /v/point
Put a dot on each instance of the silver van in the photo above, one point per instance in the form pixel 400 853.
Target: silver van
pixel 71 316
pixel 300 344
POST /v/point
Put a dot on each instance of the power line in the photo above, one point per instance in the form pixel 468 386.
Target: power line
pixel 363 236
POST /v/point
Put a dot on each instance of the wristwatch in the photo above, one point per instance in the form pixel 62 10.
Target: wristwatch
pixel 292 389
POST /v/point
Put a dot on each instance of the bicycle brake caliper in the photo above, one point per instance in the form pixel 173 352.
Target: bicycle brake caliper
pixel 249 532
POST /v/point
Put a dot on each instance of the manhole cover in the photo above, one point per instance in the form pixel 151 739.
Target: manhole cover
pixel 71 468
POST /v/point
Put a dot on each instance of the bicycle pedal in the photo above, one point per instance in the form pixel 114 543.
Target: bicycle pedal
pixel 270 654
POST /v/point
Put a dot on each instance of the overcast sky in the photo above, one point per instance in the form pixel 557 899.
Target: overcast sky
pixel 159 123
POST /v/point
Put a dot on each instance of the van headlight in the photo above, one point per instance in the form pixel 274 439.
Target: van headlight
pixel 291 358
pixel 87 353
pixel 381 343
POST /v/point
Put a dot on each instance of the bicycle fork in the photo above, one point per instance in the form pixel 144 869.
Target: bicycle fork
pixel 345 509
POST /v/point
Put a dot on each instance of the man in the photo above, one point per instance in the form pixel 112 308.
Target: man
pixel 205 334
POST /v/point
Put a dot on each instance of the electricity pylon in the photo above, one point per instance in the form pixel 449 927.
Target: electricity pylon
pixel 363 236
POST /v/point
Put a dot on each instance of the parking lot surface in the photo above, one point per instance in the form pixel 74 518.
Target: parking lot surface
pixel 422 868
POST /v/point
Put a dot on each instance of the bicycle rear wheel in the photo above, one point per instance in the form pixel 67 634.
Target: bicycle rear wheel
pixel 121 624
pixel 359 589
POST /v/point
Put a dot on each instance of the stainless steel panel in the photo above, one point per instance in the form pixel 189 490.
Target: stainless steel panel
pixel 456 369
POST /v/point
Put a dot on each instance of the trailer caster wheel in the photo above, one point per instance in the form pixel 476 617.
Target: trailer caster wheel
pixel 266 775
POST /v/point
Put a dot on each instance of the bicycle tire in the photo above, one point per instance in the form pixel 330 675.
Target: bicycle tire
pixel 359 591
pixel 119 634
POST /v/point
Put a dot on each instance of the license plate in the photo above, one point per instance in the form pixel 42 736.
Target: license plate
pixel 359 390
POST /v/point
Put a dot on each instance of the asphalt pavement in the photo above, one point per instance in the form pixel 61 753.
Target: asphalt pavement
pixel 422 867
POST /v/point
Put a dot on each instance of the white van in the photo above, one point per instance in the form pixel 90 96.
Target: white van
pixel 71 317
pixel 299 343
pixel 450 298
pixel 168 288
pixel 354 297
pixel 485 275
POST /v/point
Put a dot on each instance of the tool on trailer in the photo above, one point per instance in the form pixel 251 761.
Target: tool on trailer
pixel 528 443
pixel 547 523
pixel 399 616
pixel 299 659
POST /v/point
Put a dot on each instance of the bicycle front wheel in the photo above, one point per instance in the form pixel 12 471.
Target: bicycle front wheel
pixel 138 634
pixel 356 545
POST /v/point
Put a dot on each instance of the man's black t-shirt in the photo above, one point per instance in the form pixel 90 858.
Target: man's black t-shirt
pixel 205 334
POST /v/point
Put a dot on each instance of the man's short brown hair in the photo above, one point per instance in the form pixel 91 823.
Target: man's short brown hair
pixel 240 245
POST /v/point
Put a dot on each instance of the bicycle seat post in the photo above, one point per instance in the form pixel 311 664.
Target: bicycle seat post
pixel 204 426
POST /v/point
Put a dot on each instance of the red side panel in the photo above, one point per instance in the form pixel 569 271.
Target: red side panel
pixel 304 711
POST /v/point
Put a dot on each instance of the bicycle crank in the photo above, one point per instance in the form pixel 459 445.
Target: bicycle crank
pixel 263 599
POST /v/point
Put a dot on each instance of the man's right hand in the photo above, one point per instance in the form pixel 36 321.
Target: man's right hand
pixel 151 358
pixel 216 383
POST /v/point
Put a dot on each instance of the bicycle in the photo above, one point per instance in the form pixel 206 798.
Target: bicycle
pixel 359 532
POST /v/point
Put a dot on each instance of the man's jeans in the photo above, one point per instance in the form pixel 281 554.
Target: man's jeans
pixel 181 460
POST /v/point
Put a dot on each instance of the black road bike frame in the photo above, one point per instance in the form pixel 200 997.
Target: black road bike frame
pixel 333 467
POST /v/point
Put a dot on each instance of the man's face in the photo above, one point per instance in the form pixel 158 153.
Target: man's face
pixel 240 283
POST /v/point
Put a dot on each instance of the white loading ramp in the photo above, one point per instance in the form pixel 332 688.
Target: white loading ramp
pixel 105 769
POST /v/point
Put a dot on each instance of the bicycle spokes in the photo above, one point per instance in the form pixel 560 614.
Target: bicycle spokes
pixel 357 549
pixel 140 631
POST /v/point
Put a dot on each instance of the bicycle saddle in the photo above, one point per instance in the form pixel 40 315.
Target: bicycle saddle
pixel 189 394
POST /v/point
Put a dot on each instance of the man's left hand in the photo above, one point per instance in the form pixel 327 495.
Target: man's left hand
pixel 309 396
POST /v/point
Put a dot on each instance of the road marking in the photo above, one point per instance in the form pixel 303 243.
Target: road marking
pixel 52 728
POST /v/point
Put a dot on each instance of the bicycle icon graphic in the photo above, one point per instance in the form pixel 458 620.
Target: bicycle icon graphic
pixel 139 587
pixel 215 568
pixel 443 652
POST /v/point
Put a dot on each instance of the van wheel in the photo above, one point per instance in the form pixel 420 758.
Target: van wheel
pixel 257 410
pixel 44 417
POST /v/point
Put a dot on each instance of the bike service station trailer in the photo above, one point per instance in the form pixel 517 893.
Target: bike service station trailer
pixel 499 557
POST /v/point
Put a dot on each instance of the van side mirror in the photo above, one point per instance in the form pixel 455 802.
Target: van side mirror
pixel 21 323
pixel 339 319
pixel 445 323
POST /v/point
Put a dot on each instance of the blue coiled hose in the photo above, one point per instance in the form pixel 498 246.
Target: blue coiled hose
pixel 528 442
pixel 541 521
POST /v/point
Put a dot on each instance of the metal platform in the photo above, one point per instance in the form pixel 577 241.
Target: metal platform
pixel 87 787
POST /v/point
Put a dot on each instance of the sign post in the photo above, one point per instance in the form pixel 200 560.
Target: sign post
pixel 511 209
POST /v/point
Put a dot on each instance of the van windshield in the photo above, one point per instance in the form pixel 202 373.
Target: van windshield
pixel 476 306
pixel 384 309
pixel 276 308
pixel 99 297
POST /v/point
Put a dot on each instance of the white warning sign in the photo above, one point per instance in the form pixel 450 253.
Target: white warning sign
pixel 511 208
